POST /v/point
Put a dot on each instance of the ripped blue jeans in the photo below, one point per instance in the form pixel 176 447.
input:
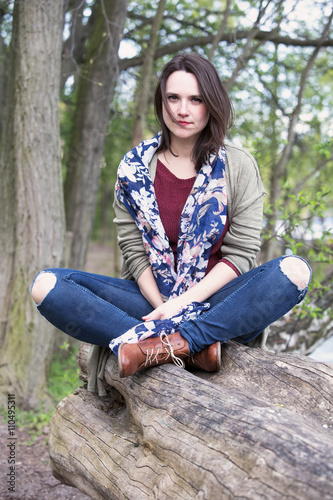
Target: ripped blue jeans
pixel 96 309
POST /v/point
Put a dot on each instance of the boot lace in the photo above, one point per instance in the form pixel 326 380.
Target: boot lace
pixel 152 357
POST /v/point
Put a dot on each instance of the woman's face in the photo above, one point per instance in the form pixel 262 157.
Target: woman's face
pixel 186 107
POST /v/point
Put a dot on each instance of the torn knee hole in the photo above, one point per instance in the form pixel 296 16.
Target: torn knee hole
pixel 43 284
pixel 296 270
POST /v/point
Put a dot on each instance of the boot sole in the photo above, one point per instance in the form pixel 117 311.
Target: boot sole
pixel 219 357
pixel 120 366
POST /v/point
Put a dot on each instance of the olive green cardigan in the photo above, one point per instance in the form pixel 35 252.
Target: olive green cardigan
pixel 245 195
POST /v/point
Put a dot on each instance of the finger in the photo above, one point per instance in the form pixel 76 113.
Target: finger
pixel 153 315
pixel 150 317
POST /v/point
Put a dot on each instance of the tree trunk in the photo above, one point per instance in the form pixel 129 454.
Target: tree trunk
pixel 3 78
pixel 86 147
pixel 260 428
pixel 74 47
pixel 142 95
pixel 32 215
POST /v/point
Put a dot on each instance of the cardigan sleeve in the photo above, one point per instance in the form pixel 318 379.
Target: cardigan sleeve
pixel 135 259
pixel 245 194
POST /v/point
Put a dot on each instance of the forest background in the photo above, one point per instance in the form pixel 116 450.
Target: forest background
pixel 76 90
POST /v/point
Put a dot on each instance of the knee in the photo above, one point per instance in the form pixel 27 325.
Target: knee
pixel 297 270
pixel 43 284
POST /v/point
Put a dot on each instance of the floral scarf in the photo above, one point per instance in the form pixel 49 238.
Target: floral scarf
pixel 201 224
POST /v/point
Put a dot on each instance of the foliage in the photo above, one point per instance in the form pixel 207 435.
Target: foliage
pixel 64 375
pixel 6 13
pixel 301 230
pixel 63 380
pixel 298 225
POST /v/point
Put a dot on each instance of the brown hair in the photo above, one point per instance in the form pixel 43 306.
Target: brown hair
pixel 213 95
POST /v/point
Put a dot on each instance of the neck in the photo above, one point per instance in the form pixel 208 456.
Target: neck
pixel 182 148
pixel 180 165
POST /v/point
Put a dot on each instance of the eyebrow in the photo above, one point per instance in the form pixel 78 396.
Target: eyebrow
pixel 175 93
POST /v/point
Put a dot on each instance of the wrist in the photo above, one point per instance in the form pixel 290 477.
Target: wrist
pixel 157 301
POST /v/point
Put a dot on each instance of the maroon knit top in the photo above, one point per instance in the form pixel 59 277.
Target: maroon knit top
pixel 171 194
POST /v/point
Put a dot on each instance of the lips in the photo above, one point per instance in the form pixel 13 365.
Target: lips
pixel 183 123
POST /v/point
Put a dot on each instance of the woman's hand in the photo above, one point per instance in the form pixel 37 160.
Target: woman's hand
pixel 220 275
pixel 166 310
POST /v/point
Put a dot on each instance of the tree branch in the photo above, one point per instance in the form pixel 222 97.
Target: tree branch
pixel 221 30
pixel 296 112
pixel 183 22
pixel 249 51
pixel 231 37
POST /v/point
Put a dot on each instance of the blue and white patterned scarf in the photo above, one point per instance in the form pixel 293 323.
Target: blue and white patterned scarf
pixel 201 224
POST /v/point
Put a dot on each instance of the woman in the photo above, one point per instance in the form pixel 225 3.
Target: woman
pixel 189 212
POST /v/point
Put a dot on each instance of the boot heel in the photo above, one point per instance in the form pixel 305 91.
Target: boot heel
pixel 208 359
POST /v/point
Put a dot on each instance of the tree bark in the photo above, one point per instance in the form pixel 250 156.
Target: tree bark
pixel 32 214
pixel 86 147
pixel 3 78
pixel 260 428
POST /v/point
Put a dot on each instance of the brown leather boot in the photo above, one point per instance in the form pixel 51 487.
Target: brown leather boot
pixel 152 352
pixel 208 359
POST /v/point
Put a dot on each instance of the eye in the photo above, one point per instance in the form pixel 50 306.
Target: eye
pixel 197 100
pixel 172 98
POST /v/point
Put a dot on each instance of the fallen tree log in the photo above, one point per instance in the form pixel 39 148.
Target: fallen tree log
pixel 262 428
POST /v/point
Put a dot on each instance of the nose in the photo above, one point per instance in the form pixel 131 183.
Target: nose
pixel 183 107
